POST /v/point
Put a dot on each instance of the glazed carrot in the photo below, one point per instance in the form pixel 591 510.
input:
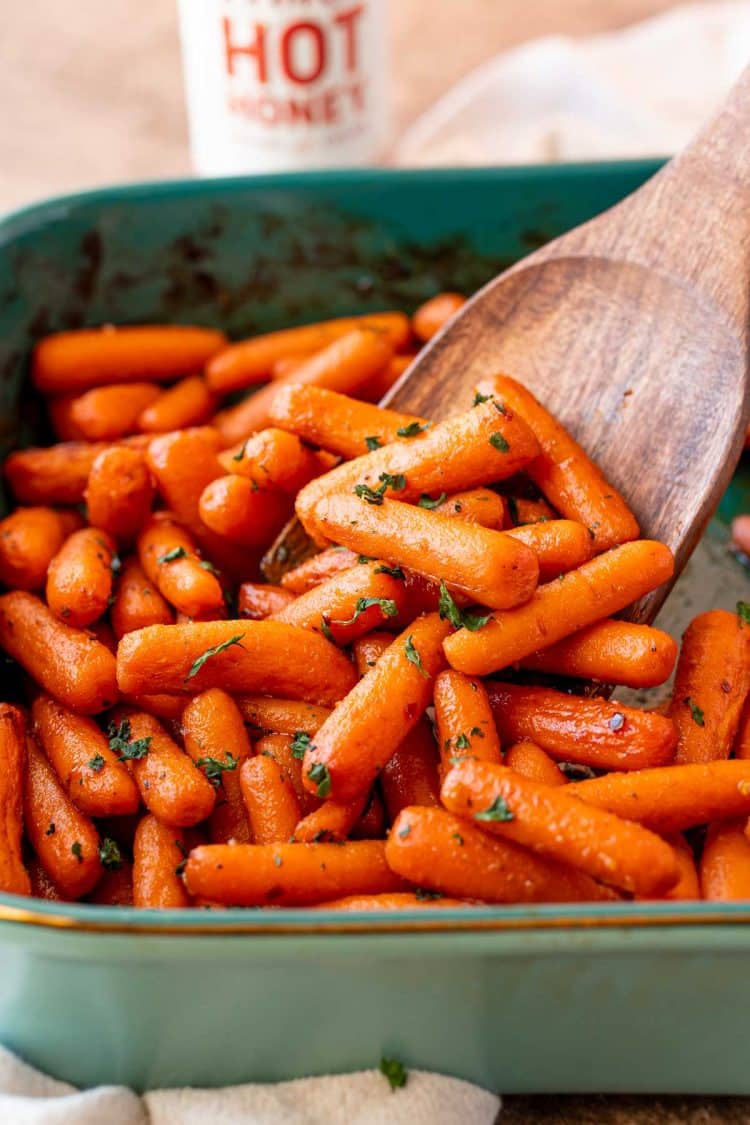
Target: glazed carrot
pixel 236 508
pixel 599 588
pixel 63 837
pixel 108 413
pixel 171 787
pixel 445 853
pixel 286 364
pixel 41 884
pixel 119 492
pixel 167 553
pixel 258 600
pixel 368 650
pixel 239 656
pixel 559 545
pixel 137 602
pixel 403 900
pixel 251 361
pixel 287 751
pixel 183 463
pixel 531 761
pixel 348 605
pixel 94 778
pixel 93 357
pixel 289 874
pixel 163 706
pixel 187 403
pixel 215 737
pixel 337 422
pixel 410 777
pixel 551 821
pixel 525 511
pixel 68 663
pixel 672 798
pixel 273 459
pixel 79 577
pixel 591 732
pixel 281 716
pixel 464 720
pixel 711 685
pixel 687 886
pixel 14 878
pixel 571 482
pixel 333 821
pixel 359 737
pixel 379 384
pixel 611 652
pixel 476 505
pixel 115 888
pixel 57 474
pixel 742 739
pixel 60 411
pixel 430 317
pixel 317 569
pixel 725 863
pixel 102 630
pixel 29 540
pixel 371 824
pixel 272 807
pixel 159 854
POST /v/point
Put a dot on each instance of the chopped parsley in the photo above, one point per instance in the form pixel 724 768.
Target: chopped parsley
pixel 300 743
pixel 321 778
pixel 479 398
pixel 77 850
pixel 404 832
pixel 373 442
pixel 394 571
pixel 387 606
pixel 414 658
pixel 109 854
pixel 209 566
pixel 120 742
pixel 695 712
pixel 201 660
pixel 458 838
pixel 175 553
pixel 97 763
pixel 238 456
pixel 423 895
pixel 575 772
pixel 498 442
pixel 50 829
pixel 395 1072
pixel 397 483
pixel 213 768
pixel 426 501
pixel 498 811
pixel 743 612
pixel 325 629
pixel 459 619
pixel 412 429
pixel 463 742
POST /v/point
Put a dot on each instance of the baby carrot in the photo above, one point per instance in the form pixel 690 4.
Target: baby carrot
pixel 531 761
pixel 337 422
pixel 29 540
pixel 183 463
pixel 410 777
pixel 289 874
pixel 14 878
pixel 41 884
pixel 488 566
pixel 163 706
pixel 60 411
pixel 239 656
pixel 464 720
pixel 167 553
pixel 379 384
pixel 94 778
pixel 368 650
pixel 333 820
pixel 526 511
pixel 687 886
pixel 317 569
pixel 445 853
pixel 430 317
pixel 711 685
pixel 260 600
pixel 215 737
pixel 476 505
pixel 287 752
pixel 273 458
pixel 559 545
pixel 371 824
pixel 187 403
pixel 94 357
pixel 597 589
pixel 119 492
pixel 251 361
pixel 550 821
pixel 272 807
pixel 108 413
pixel 359 737
pixel 79 578
pixel 403 900
pixel 611 652
pixel 68 663
pixel 236 508
pixel 115 888
pixel 592 732
pixel 281 716
pixel 63 837
pixel 725 863
pixel 159 854
pixel 137 602
pixel 57 474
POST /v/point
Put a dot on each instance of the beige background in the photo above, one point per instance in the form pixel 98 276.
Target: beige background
pixel 91 93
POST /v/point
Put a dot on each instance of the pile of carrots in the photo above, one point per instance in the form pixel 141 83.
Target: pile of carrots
pixel 378 729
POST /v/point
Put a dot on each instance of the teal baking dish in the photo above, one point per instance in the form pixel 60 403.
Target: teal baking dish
pixel 638 997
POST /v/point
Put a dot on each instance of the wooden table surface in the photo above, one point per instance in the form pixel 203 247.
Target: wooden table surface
pixel 92 94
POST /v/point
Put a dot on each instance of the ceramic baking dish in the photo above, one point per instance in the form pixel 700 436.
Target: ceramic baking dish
pixel 639 997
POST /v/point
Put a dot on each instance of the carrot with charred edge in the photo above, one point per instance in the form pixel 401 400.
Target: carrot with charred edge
pixel 29 540
pixel 187 403
pixel 56 474
pixel 112 412
pixel 476 505
pixel 672 798
pixel 258 600
pixel 289 874
pixel 526 511
pixel 592 732
pixel 171 786
pixel 138 602
pixel 286 750
pixel 79 578
pixel 710 686
pixel 559 545
pixel 348 605
pixel 550 821
pixel 371 824
pixel 63 837
pixel 215 737
pixel 159 854
pixel 362 733
pixel 167 554
pixel 337 422
pixel 68 663
pixel 94 357
pixel 14 878
pixel 611 652
pixel 431 316
pixel 115 888
pixel 571 482
pixel 725 863
pixel 183 463
pixel 237 509
pixel 445 853
pixel 251 361
pixel 119 492
pixel 599 588
pixel 273 458
pixel 687 886
pixel 270 801
pixel 281 716
pixel 379 384
pixel 464 720
pixel 92 775
pixel 334 820
pixel 403 900
pixel 410 777
pixel 240 656
pixel 318 569
pixel 531 761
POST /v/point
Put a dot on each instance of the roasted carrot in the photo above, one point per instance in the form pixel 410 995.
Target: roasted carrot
pixel 725 863
pixel 379 384
pixel 273 458
pixel 599 588
pixel 559 545
pixel 187 403
pixel 115 888
pixel 41 884
pixel 289 874
pixel 476 505
pixel 410 776
pixel 169 707
pixel 29 540
pixel 60 411
pixel 137 601
pixel 167 553
pixel 239 656
pixel 430 317
pixel 14 878
pixel 68 663
pixel 159 855
pixel 287 751
pixel 687 886
pixel 237 509
pixel 79 577
pixel 109 413
pixel 93 357
pixel 464 720
pixel 371 824
pixel 524 510
pixel 258 600
pixel 281 716
pixel 396 900
pixel 119 492
pixel 317 569
pixel 611 652
pixel 215 737
pixel 334 820
pixel 592 732
pixel 711 685
pixel 368 650
pixel 57 474
pixel 183 463
pixel 531 761
pixel 272 807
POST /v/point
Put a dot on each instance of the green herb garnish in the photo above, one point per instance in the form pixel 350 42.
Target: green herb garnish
pixel 241 454
pixel 463 742
pixel 412 429
pixel 743 612
pixel 497 811
pixel 459 619
pixel 325 629
pixel 120 742
pixel 209 566
pixel 97 763
pixel 414 658
pixel 404 832
pixel 395 1072
pixel 695 712
pixel 498 442
pixel 300 743
pixel 320 776
pixel 109 854
pixel 394 571
pixel 426 501
pixel 175 553
pixel 387 606
pixel 213 768
pixel 201 660
pixel 373 442
pixel 480 398
pixel 77 850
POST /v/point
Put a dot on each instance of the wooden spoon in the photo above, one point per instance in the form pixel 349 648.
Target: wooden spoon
pixel 633 330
